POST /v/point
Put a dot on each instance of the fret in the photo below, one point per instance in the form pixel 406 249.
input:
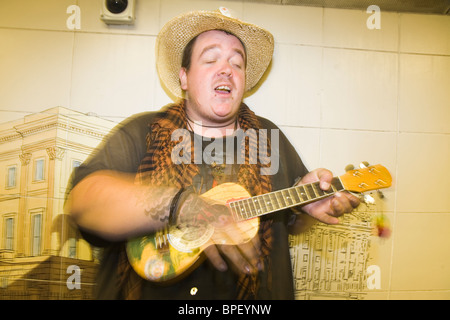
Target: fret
pixel 336 184
pixel 253 209
pixel 302 193
pixel 309 191
pixel 247 207
pixel 287 197
pixel 281 200
pixel 262 204
pixel 257 205
pixel 310 187
pixel 234 212
pixel 329 191
pixel 295 195
pixel 274 201
pixel 317 190
pixel 235 206
pixel 333 188
pixel 268 202
pixel 241 209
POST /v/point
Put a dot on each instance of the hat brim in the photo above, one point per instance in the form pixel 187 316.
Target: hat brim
pixel 176 34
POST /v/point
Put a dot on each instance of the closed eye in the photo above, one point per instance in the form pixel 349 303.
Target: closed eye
pixel 237 62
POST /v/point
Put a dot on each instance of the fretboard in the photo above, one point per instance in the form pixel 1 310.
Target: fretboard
pixel 278 200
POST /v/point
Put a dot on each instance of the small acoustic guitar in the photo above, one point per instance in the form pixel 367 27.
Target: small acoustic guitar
pixel 167 255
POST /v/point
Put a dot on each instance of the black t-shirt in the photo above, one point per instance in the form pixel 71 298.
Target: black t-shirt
pixel 123 149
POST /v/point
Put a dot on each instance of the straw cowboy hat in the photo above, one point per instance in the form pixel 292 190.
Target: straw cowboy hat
pixel 177 33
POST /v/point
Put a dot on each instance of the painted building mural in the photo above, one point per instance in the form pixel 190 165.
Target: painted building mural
pixel 331 262
pixel 38 242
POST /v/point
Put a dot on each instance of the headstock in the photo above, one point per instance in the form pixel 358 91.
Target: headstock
pixel 366 178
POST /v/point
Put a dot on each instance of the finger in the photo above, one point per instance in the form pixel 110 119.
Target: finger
pixel 243 257
pixel 251 253
pixel 341 204
pixel 240 257
pixel 338 207
pixel 316 175
pixel 354 201
pixel 321 210
pixel 213 255
pixel 325 176
pixel 237 259
pixel 326 218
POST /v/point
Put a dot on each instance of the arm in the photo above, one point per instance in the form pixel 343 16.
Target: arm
pixel 110 205
pixel 103 200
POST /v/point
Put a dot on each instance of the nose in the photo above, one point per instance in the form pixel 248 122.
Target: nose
pixel 225 70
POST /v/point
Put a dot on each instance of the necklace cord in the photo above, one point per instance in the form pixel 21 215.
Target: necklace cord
pixel 206 126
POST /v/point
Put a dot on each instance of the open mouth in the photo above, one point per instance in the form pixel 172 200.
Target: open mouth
pixel 223 89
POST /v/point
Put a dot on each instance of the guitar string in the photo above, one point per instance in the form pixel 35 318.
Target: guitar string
pixel 274 203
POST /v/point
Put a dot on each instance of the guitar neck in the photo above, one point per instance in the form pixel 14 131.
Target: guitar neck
pixel 282 199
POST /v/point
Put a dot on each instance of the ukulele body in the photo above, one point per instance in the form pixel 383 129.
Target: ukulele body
pixel 165 256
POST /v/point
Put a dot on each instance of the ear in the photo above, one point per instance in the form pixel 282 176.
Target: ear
pixel 183 79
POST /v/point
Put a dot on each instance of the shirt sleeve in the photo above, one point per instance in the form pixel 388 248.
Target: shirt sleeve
pixel 121 150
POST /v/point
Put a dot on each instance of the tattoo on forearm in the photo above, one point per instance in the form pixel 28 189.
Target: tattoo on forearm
pixel 196 210
pixel 156 203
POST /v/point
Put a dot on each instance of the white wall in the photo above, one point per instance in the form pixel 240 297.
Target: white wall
pixel 341 92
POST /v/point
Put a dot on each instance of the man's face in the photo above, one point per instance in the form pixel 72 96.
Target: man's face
pixel 215 81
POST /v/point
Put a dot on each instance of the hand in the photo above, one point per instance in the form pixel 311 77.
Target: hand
pixel 244 258
pixel 329 209
pixel 199 213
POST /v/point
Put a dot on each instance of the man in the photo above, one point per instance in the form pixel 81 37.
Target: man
pixel 146 178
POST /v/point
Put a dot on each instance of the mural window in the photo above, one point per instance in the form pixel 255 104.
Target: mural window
pixel 8 238
pixel 72 248
pixel 39 169
pixel 36 234
pixel 11 176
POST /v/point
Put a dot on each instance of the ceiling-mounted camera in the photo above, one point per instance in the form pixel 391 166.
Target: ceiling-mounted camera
pixel 118 11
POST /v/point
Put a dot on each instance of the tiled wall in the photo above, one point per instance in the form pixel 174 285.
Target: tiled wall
pixel 341 92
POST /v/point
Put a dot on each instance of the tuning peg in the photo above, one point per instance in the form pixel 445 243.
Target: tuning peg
pixel 364 164
pixel 349 167
pixel 368 199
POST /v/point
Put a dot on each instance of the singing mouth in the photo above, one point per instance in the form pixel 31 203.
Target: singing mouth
pixel 223 89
